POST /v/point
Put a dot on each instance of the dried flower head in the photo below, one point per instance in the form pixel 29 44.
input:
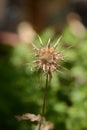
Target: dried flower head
pixel 47 58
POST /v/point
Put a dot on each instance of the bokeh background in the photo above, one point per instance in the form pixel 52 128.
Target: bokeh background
pixel 21 90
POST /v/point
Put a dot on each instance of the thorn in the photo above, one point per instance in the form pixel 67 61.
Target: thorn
pixel 35 61
pixel 48 44
pixel 64 68
pixel 40 40
pixel 59 71
pixel 57 42
pixel 44 67
pixel 66 49
pixel 34 46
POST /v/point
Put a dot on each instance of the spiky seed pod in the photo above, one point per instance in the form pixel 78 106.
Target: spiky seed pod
pixel 47 58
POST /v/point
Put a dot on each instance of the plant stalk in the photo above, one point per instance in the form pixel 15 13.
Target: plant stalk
pixel 44 102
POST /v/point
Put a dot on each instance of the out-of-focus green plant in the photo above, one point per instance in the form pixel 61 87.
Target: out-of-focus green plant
pixel 21 91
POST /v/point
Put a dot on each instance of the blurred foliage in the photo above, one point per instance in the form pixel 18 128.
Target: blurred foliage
pixel 21 90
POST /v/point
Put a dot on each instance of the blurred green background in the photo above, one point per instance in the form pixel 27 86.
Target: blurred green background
pixel 21 90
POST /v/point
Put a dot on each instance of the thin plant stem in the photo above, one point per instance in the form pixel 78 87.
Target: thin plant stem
pixel 44 102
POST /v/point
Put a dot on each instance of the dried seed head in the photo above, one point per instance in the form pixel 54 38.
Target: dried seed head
pixel 47 58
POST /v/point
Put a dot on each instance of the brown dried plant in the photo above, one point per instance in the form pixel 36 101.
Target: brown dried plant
pixel 36 118
pixel 47 60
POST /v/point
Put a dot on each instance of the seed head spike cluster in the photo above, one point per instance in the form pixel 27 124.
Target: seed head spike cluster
pixel 47 58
